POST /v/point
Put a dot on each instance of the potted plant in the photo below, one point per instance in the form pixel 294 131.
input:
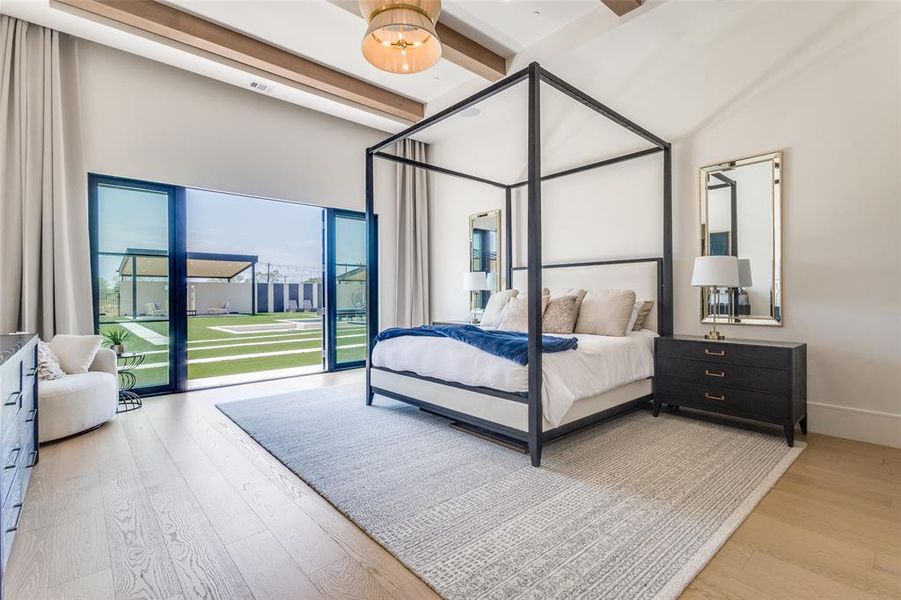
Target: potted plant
pixel 115 339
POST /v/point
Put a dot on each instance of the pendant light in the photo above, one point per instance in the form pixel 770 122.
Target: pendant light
pixel 401 36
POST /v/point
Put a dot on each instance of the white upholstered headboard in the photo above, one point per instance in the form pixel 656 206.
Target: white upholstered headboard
pixel 641 275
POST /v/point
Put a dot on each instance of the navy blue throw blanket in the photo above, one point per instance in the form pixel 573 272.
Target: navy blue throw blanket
pixel 511 345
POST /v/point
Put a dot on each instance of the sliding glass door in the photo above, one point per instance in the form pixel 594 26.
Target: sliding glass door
pixel 133 263
pixel 346 287
pixel 214 288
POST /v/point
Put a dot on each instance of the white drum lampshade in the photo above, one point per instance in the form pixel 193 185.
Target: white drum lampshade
pixel 475 281
pixel 715 271
pixel 744 273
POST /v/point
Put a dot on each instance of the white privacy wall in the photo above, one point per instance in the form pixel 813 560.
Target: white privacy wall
pixel 146 120
pixel 723 81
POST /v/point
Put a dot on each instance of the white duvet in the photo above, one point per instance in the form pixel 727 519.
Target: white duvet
pixel 600 364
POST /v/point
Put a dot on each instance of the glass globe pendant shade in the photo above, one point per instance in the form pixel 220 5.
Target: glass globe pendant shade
pixel 401 36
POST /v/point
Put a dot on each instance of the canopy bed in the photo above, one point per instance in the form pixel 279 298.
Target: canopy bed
pixel 549 396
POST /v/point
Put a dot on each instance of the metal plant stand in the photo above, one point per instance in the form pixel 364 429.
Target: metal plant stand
pixel 128 400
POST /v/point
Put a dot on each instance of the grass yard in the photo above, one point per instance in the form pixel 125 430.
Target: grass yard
pixel 214 353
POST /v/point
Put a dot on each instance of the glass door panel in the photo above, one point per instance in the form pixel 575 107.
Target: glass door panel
pixel 132 265
pixel 346 270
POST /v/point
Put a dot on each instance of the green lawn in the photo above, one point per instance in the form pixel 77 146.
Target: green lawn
pixel 213 353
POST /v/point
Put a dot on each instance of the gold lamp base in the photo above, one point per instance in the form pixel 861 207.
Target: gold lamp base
pixel 714 335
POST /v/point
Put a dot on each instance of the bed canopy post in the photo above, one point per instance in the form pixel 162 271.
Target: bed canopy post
pixel 508 239
pixel 534 266
pixel 372 252
pixel 665 304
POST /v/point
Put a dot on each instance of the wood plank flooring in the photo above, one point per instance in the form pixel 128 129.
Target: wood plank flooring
pixel 174 501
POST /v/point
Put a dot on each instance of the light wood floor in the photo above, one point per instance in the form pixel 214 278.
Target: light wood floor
pixel 175 502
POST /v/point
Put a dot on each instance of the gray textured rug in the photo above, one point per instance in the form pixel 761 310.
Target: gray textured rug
pixel 633 508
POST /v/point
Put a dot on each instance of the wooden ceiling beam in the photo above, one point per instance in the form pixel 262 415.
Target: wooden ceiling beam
pixel 179 26
pixel 621 7
pixel 469 54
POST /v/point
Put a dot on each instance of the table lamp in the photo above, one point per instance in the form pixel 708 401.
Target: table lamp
pixel 715 272
pixel 474 281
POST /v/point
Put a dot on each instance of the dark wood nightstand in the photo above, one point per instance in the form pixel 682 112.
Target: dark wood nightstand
pixel 761 380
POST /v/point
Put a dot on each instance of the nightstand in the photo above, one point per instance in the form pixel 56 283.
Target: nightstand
pixel 760 380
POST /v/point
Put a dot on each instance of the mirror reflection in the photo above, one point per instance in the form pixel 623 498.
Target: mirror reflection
pixel 484 257
pixel 740 216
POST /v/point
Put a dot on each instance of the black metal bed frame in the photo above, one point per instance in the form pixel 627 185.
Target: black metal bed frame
pixel 534 74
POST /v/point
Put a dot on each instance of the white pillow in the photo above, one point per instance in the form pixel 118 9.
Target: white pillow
pixel 491 317
pixel 75 352
pixel 48 363
pixel 634 318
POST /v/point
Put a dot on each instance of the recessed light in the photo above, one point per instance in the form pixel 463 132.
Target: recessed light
pixel 537 13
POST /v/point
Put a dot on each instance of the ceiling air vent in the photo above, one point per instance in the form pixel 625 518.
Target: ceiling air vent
pixel 261 87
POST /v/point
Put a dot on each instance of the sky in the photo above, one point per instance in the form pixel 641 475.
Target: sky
pixel 281 233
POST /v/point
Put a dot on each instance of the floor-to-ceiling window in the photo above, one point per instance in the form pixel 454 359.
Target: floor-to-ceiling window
pixel 247 275
pixel 132 238
pixel 346 278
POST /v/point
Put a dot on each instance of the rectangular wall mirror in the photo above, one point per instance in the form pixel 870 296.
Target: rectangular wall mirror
pixel 484 254
pixel 741 215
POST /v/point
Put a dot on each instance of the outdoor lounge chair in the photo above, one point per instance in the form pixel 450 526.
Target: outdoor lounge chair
pixel 154 310
pixel 221 309
pixel 292 305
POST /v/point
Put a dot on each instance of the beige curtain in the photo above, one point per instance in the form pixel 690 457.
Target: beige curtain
pixel 412 271
pixel 44 249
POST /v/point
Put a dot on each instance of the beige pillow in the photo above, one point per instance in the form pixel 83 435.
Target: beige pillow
pixel 75 352
pixel 643 313
pixel 561 314
pixel 516 315
pixel 495 307
pixel 579 293
pixel 606 312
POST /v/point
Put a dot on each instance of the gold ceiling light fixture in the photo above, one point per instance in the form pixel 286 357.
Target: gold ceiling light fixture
pixel 401 35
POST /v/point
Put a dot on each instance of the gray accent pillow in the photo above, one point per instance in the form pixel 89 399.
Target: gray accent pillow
pixel 48 363
pixel 494 309
pixel 606 312
pixel 561 314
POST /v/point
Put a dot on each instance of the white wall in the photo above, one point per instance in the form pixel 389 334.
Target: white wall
pixel 837 120
pixel 145 120
pixel 724 81
pixel 211 294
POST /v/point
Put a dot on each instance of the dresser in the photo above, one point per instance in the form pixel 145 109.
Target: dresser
pixel 18 430
pixel 760 380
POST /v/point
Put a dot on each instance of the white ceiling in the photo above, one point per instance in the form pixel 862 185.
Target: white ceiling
pixel 330 32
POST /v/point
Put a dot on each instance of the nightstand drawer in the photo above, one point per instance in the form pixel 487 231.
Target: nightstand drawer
pixel 721 352
pixel 717 398
pixel 761 379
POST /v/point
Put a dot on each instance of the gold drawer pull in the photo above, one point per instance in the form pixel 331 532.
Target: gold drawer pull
pixel 709 353
pixel 712 374
pixel 710 397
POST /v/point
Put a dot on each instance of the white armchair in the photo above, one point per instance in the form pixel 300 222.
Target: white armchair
pixel 79 402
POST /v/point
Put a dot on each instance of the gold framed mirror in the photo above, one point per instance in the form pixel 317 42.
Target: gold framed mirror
pixel 485 253
pixel 741 215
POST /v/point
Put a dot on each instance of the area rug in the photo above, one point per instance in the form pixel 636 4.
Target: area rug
pixel 633 508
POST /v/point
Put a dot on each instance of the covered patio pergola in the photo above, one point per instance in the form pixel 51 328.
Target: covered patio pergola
pixel 140 264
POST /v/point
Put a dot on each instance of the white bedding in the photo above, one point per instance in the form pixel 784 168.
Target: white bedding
pixel 600 364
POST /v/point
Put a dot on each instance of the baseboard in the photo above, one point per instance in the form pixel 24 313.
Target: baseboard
pixel 855 423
